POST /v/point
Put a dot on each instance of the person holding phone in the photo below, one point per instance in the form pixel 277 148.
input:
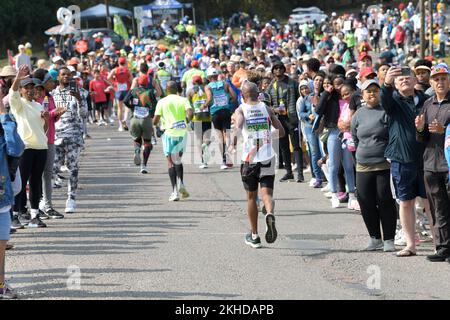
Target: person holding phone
pixel 69 132
pixel 403 104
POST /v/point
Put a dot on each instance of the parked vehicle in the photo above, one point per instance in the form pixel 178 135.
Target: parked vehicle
pixel 304 15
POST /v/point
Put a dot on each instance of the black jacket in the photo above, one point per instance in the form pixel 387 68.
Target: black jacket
pixel 434 157
pixel 287 90
pixel 328 107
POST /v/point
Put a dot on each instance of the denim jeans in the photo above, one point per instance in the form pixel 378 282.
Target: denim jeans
pixel 338 155
pixel 314 149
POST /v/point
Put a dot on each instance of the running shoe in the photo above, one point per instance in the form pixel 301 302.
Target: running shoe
pixel 223 167
pixel 327 188
pixel 388 246
pixel 70 206
pixel 184 193
pixel 42 215
pixel 374 245
pixel 7 293
pixel 343 197
pixel 335 203
pixel 15 223
pixel 288 177
pixel 144 169
pixel 203 166
pixel 174 197
pixel 271 231
pixel 53 214
pixel 36 223
pixel 317 184
pixel 312 182
pixel 254 243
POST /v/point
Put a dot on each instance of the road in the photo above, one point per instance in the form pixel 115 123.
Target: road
pixel 128 242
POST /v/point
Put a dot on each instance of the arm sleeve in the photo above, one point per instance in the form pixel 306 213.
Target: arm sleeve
pixel 15 101
pixel 387 101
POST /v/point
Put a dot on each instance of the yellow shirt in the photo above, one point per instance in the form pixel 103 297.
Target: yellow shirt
pixel 172 110
pixel 30 124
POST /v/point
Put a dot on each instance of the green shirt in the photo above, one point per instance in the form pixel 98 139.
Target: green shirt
pixel 189 75
pixel 350 39
pixel 172 110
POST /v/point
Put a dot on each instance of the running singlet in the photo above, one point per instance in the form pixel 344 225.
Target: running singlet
pixel 220 96
pixel 172 110
pixel 198 100
pixel 122 79
pixel 447 149
pixel 257 134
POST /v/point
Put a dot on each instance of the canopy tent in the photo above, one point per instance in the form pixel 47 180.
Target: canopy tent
pixel 99 11
pixel 154 13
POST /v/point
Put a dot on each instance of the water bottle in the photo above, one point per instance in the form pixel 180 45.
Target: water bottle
pixel 45 103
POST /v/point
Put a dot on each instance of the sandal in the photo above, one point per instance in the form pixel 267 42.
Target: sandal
pixel 406 253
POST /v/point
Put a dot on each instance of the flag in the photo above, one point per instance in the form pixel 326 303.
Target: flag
pixel 120 28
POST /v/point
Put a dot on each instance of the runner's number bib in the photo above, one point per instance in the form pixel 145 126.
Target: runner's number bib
pixel 141 112
pixel 122 87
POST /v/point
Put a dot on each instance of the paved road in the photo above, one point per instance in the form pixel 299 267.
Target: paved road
pixel 129 242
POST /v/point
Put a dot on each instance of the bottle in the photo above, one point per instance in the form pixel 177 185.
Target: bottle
pixel 45 103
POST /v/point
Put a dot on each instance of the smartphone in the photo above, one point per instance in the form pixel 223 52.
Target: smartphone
pixel 73 85
pixel 406 71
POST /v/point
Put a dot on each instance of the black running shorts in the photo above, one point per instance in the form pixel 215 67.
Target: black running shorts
pixel 254 174
pixel 222 120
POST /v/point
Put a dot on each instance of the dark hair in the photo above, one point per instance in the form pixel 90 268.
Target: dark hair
pixel 351 82
pixel 320 74
pixel 40 74
pixel 336 69
pixel 336 76
pixel 423 62
pixel 63 68
pixel 313 64
pixel 143 68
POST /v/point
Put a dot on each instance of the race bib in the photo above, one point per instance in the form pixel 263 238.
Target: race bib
pixel 140 112
pixel 179 125
pixel 257 124
pixel 136 102
pixel 221 100
pixel 122 87
pixel 198 104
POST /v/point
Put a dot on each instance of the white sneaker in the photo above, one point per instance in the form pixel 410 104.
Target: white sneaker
pixel 154 141
pixel 327 188
pixel 400 238
pixel 335 203
pixel 120 129
pixel 328 195
pixel 70 206
pixel 144 169
pixel 374 245
pixel 223 167
pixel 174 197
pixel 203 166
pixel 388 246
pixel 312 182
pixel 111 120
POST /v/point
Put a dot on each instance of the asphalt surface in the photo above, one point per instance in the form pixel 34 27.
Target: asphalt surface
pixel 126 241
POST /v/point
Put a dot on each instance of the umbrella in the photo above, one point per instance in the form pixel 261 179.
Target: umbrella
pixel 56 30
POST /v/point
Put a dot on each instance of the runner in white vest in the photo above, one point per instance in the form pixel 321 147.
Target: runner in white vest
pixel 259 126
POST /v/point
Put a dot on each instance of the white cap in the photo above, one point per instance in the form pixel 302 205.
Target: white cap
pixel 28 45
pixel 21 47
pixel 212 72
pixel 56 59
pixel 72 69
pixel 304 83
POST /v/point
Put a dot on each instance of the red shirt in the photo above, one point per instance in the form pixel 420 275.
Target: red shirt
pixel 99 87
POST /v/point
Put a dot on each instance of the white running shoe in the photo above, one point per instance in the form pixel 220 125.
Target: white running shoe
pixel 400 239
pixel 203 166
pixel 335 203
pixel 327 188
pixel 174 197
pixel 70 206
pixel 223 167
pixel 120 129
pixel 328 195
pixel 144 169
pixel 312 182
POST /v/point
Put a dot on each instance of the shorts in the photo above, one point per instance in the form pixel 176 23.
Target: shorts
pixel 120 95
pixel 5 226
pixel 408 181
pixel 253 174
pixel 174 145
pixel 141 128
pixel 222 120
pixel 99 106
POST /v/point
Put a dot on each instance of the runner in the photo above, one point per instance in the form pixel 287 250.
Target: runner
pixel 255 120
pixel 218 97
pixel 142 102
pixel 172 111
pixel 122 79
pixel 202 119
pixel 162 75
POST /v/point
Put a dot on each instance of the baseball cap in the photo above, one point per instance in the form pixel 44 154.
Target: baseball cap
pixel 197 79
pixel 422 67
pixel 349 72
pixel 73 61
pixel 365 72
pixel 57 59
pixel 122 60
pixel 194 64
pixel 38 83
pixel 143 80
pixel 364 55
pixel 440 68
pixel 27 81
pixel 212 72
pixel 72 69
pixel 368 83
